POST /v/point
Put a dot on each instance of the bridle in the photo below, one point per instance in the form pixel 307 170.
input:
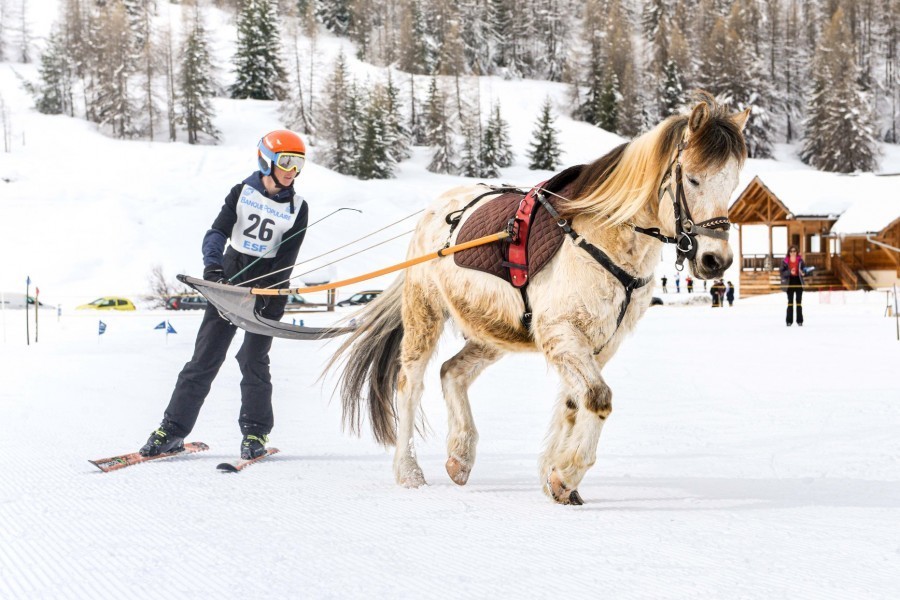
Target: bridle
pixel 686 230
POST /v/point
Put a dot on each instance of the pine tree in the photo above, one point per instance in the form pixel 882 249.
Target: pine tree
pixel 418 132
pixel 257 63
pixel 375 160
pixel 440 132
pixel 545 151
pixel 607 109
pixel 839 125
pixel 550 59
pixel 500 134
pixel 672 92
pixel 197 84
pixel 335 15
pixel 622 105
pixel 589 108
pixel 470 163
pixel 474 30
pixel 113 59
pixel 398 135
pixel 416 54
pixel 338 126
pixel 148 62
pixel 55 89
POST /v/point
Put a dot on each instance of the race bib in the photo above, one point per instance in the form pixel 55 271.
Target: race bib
pixel 261 223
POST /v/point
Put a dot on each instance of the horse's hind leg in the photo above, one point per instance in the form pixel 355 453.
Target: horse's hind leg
pixel 583 407
pixel 423 323
pixel 457 374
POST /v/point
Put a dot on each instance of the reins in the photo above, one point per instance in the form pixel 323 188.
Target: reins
pixel 446 251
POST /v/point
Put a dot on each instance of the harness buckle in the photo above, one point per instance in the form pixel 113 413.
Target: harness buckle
pixel 512 228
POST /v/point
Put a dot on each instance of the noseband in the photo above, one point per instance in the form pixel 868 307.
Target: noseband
pixel 686 231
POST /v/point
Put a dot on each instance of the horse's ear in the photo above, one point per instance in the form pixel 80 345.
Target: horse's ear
pixel 699 116
pixel 740 119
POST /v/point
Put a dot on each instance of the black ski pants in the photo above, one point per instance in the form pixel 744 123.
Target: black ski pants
pixel 795 298
pixel 195 379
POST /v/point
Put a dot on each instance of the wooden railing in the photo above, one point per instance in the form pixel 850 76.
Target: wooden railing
pixel 849 278
pixel 765 262
pixel 814 259
pixel 757 262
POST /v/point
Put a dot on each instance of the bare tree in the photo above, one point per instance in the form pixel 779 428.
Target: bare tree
pixel 160 289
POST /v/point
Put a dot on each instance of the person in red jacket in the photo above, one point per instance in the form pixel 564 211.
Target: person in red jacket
pixel 257 233
pixel 792 271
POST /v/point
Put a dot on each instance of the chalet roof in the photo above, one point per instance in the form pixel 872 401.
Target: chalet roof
pixel 861 203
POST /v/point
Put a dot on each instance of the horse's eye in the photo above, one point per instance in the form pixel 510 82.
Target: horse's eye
pixel 693 181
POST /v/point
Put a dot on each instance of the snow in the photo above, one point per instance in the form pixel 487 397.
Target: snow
pixel 743 458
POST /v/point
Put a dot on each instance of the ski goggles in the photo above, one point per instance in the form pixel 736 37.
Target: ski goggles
pixel 289 162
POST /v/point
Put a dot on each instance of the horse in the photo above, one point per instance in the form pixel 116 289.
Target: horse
pixel 581 308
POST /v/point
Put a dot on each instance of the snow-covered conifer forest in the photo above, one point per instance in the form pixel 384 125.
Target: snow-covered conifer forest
pixel 818 73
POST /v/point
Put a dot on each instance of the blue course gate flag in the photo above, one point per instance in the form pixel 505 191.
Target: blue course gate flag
pixel 102 328
pixel 169 328
pixel 161 325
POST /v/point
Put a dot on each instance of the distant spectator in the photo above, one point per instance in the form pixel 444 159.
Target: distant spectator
pixel 717 291
pixel 677 283
pixel 729 294
pixel 690 284
pixel 664 281
pixel 792 271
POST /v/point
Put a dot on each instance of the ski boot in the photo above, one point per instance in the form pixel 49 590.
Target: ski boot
pixel 253 446
pixel 161 441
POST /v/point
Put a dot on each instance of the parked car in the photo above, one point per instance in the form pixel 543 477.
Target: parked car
pixel 109 303
pixel 16 300
pixel 187 302
pixel 295 302
pixel 360 298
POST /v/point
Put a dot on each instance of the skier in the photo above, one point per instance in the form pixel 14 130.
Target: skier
pixel 263 223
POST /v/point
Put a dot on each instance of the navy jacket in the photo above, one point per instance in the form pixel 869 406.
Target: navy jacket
pixel 232 261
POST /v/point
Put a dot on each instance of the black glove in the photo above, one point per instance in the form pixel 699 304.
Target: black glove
pixel 214 273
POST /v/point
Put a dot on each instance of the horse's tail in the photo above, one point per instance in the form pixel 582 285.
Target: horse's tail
pixel 371 357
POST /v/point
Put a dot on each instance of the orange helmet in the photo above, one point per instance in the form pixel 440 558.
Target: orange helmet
pixel 282 148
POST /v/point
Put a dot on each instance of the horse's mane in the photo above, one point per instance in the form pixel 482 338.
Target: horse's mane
pixel 617 185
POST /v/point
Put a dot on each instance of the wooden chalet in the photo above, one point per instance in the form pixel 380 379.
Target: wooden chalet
pixel 847 226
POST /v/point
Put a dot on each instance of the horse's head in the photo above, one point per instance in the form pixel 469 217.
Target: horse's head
pixel 677 178
pixel 707 153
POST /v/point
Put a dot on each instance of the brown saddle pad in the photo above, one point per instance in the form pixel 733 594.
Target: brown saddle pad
pixel 544 239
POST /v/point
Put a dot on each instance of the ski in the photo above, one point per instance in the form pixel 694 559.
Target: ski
pixel 235 467
pixel 126 460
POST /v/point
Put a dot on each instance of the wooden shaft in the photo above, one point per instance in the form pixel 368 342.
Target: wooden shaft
pixel 494 237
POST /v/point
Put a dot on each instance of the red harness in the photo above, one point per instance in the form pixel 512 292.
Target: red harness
pixel 517 254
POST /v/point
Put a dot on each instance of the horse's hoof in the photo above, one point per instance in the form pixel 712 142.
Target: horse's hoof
pixel 560 492
pixel 412 480
pixel 457 471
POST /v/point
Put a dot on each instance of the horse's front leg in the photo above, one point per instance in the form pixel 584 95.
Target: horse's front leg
pixel 582 409
pixel 457 374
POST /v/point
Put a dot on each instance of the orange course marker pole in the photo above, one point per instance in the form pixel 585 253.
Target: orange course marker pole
pixel 494 237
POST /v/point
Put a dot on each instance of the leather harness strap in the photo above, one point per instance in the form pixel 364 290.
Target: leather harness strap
pixel 628 281
pixel 517 255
